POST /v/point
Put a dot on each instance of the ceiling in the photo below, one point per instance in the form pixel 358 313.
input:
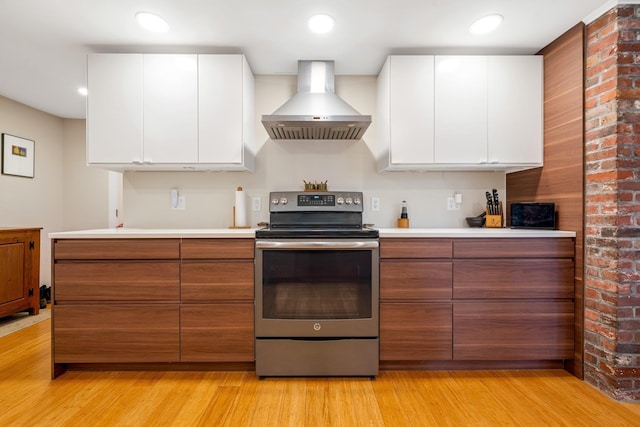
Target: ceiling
pixel 43 43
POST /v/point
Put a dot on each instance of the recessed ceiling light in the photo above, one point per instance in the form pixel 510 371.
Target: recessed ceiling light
pixel 321 23
pixel 152 22
pixel 83 91
pixel 486 24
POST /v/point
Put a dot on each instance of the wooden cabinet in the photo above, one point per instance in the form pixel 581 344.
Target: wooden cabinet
pixel 116 332
pixel 513 299
pixel 415 299
pixel 217 300
pixel 460 113
pixel 170 112
pixel 19 270
pixel 152 301
pixel 116 301
pixel 513 330
pixel 476 300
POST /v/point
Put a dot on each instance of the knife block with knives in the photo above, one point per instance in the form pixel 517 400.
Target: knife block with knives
pixel 494 217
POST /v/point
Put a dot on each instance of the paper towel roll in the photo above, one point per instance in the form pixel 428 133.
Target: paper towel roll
pixel 240 219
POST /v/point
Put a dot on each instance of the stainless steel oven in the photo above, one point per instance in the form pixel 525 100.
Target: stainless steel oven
pixel 317 287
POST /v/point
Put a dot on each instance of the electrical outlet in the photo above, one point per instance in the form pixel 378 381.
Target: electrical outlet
pixel 452 205
pixel 256 204
pixel 375 203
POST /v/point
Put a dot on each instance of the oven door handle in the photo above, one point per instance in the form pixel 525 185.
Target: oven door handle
pixel 311 244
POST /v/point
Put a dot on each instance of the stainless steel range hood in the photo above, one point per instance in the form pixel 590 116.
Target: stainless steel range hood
pixel 316 112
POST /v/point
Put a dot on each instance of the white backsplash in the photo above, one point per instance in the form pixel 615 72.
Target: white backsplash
pixel 283 165
pixel 209 196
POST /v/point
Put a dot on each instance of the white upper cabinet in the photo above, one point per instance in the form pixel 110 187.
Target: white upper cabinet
pixel 515 113
pixel 405 111
pixel 226 111
pixel 114 109
pixel 170 105
pixel 170 112
pixel 460 109
pixel 468 113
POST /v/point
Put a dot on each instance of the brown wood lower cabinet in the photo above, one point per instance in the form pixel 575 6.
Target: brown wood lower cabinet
pixel 19 270
pixel 476 302
pixel 116 333
pixel 415 331
pixel 216 315
pixel 514 330
pixel 217 332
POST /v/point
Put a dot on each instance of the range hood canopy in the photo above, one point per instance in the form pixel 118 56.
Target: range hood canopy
pixel 316 112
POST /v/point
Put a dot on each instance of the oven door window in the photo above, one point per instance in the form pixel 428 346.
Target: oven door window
pixel 317 284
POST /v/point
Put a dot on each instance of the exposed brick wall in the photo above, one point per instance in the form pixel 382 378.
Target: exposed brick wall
pixel 612 195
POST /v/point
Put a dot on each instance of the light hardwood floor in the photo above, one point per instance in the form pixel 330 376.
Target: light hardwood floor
pixel 437 398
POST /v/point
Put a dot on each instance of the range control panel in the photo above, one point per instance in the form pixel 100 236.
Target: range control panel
pixel 299 201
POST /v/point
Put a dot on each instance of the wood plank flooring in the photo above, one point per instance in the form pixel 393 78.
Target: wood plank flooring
pixel 396 398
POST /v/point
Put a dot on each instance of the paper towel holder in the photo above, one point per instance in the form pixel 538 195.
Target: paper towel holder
pixel 233 216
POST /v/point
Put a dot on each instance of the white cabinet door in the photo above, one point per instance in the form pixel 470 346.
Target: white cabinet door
pixel 516 98
pixel 114 109
pixel 411 105
pixel 405 112
pixel 170 109
pixel 460 109
pixel 220 108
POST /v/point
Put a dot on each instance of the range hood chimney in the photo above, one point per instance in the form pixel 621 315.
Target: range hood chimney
pixel 316 112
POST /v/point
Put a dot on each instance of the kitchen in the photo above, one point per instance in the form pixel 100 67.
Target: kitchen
pixel 279 165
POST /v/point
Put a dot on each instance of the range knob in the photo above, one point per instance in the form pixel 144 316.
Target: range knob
pixel 283 201
pixel 349 200
pixel 340 200
pixel 357 201
pixel 275 201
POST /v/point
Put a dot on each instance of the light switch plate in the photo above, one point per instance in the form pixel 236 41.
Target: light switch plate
pixel 451 204
pixel 256 204
pixel 375 203
pixel 181 204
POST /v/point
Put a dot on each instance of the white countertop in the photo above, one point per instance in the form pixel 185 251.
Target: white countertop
pixel 144 233
pixel 156 233
pixel 472 232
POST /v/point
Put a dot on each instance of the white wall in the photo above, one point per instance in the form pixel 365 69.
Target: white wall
pixel 37 201
pixel 85 192
pixel 64 194
pixel 281 165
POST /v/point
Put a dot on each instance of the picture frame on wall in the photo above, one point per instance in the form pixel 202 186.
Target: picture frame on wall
pixel 18 156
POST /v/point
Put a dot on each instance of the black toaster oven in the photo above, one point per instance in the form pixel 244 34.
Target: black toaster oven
pixel 533 215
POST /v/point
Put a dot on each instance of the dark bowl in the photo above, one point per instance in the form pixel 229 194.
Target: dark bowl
pixel 476 222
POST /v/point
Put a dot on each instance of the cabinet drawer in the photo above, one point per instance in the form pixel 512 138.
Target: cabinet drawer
pixel 514 248
pixel 117 281
pixel 116 333
pixel 117 249
pixel 217 280
pixel 523 330
pixel 217 248
pixel 522 278
pixel 415 248
pixel 415 280
pixel 217 332
pixel 412 331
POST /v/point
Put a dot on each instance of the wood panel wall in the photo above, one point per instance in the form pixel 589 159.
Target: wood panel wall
pixel 561 180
